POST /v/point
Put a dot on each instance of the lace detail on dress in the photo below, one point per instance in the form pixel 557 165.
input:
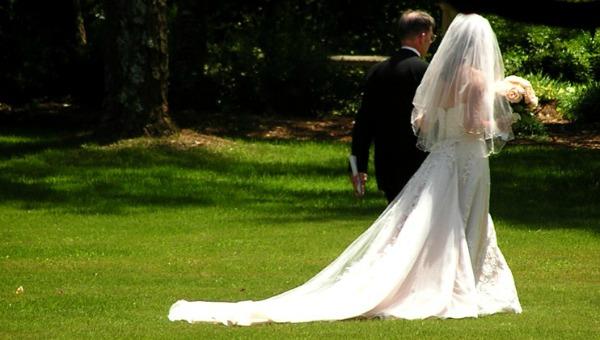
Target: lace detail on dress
pixel 495 284
pixel 490 267
pixel 467 171
pixel 447 150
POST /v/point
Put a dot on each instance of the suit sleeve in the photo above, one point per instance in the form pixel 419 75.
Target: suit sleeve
pixel 419 71
pixel 364 127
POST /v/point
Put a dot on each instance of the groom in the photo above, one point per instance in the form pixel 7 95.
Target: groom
pixel 384 116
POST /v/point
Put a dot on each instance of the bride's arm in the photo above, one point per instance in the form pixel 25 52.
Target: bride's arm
pixel 474 119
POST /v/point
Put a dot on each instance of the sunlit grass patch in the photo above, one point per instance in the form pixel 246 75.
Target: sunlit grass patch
pixel 104 238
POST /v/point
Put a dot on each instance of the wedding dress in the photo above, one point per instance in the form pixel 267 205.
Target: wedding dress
pixel 431 253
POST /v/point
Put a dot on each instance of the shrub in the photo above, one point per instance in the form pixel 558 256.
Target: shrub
pixel 561 53
pixel 586 107
pixel 529 125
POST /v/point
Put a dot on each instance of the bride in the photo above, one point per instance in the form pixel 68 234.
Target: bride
pixel 433 250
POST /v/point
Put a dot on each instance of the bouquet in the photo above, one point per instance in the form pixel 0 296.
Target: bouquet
pixel 517 90
pixel 520 95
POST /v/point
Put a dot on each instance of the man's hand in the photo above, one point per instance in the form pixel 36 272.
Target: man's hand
pixel 358 182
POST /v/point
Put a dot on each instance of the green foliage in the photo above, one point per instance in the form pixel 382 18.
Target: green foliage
pixel 547 88
pixel 587 106
pixel 528 125
pixel 514 59
pixel 267 56
pixel 344 92
pixel 559 53
pixel 572 100
pixel 563 54
pixel 234 66
pixel 268 60
pixel 563 66
pixel 274 57
pixel 41 57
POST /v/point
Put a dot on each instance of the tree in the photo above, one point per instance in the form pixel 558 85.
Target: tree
pixel 572 14
pixel 137 68
pixel 38 45
pixel 189 87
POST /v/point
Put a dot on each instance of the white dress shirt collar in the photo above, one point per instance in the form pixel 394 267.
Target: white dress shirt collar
pixel 412 49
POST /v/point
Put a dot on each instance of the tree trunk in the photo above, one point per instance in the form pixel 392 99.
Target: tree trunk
pixel 189 86
pixel 137 68
pixel 80 33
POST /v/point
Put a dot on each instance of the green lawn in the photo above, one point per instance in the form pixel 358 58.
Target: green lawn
pixel 103 239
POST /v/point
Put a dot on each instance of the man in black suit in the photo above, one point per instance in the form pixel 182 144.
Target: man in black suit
pixel 384 116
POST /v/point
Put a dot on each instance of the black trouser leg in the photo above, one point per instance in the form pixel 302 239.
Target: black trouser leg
pixel 391 194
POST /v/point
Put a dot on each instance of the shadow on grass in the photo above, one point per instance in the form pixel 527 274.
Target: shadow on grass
pixel 547 187
pixel 49 171
pixel 30 141
pixel 541 186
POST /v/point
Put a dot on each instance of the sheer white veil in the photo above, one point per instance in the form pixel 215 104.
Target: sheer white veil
pixel 463 74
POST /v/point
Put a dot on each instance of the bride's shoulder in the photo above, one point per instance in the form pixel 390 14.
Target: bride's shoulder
pixel 475 79
pixel 473 74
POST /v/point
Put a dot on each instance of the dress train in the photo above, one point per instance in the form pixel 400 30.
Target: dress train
pixel 431 253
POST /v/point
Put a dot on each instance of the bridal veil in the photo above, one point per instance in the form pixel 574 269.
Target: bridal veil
pixel 464 71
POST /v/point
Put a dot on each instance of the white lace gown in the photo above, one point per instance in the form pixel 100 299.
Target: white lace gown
pixel 431 254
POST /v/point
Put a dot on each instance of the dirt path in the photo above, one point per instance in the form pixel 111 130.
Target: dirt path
pixel 213 129
pixel 339 128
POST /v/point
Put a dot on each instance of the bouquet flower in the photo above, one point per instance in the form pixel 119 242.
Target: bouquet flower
pixel 517 90
pixel 519 93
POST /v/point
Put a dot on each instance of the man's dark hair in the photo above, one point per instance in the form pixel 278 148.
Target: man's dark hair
pixel 413 23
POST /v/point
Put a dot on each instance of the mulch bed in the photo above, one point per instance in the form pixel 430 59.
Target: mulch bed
pixel 339 129
pixel 201 129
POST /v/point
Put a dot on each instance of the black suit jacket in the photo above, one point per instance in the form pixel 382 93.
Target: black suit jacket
pixel 384 120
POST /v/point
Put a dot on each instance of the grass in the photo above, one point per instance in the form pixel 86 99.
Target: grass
pixel 103 239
